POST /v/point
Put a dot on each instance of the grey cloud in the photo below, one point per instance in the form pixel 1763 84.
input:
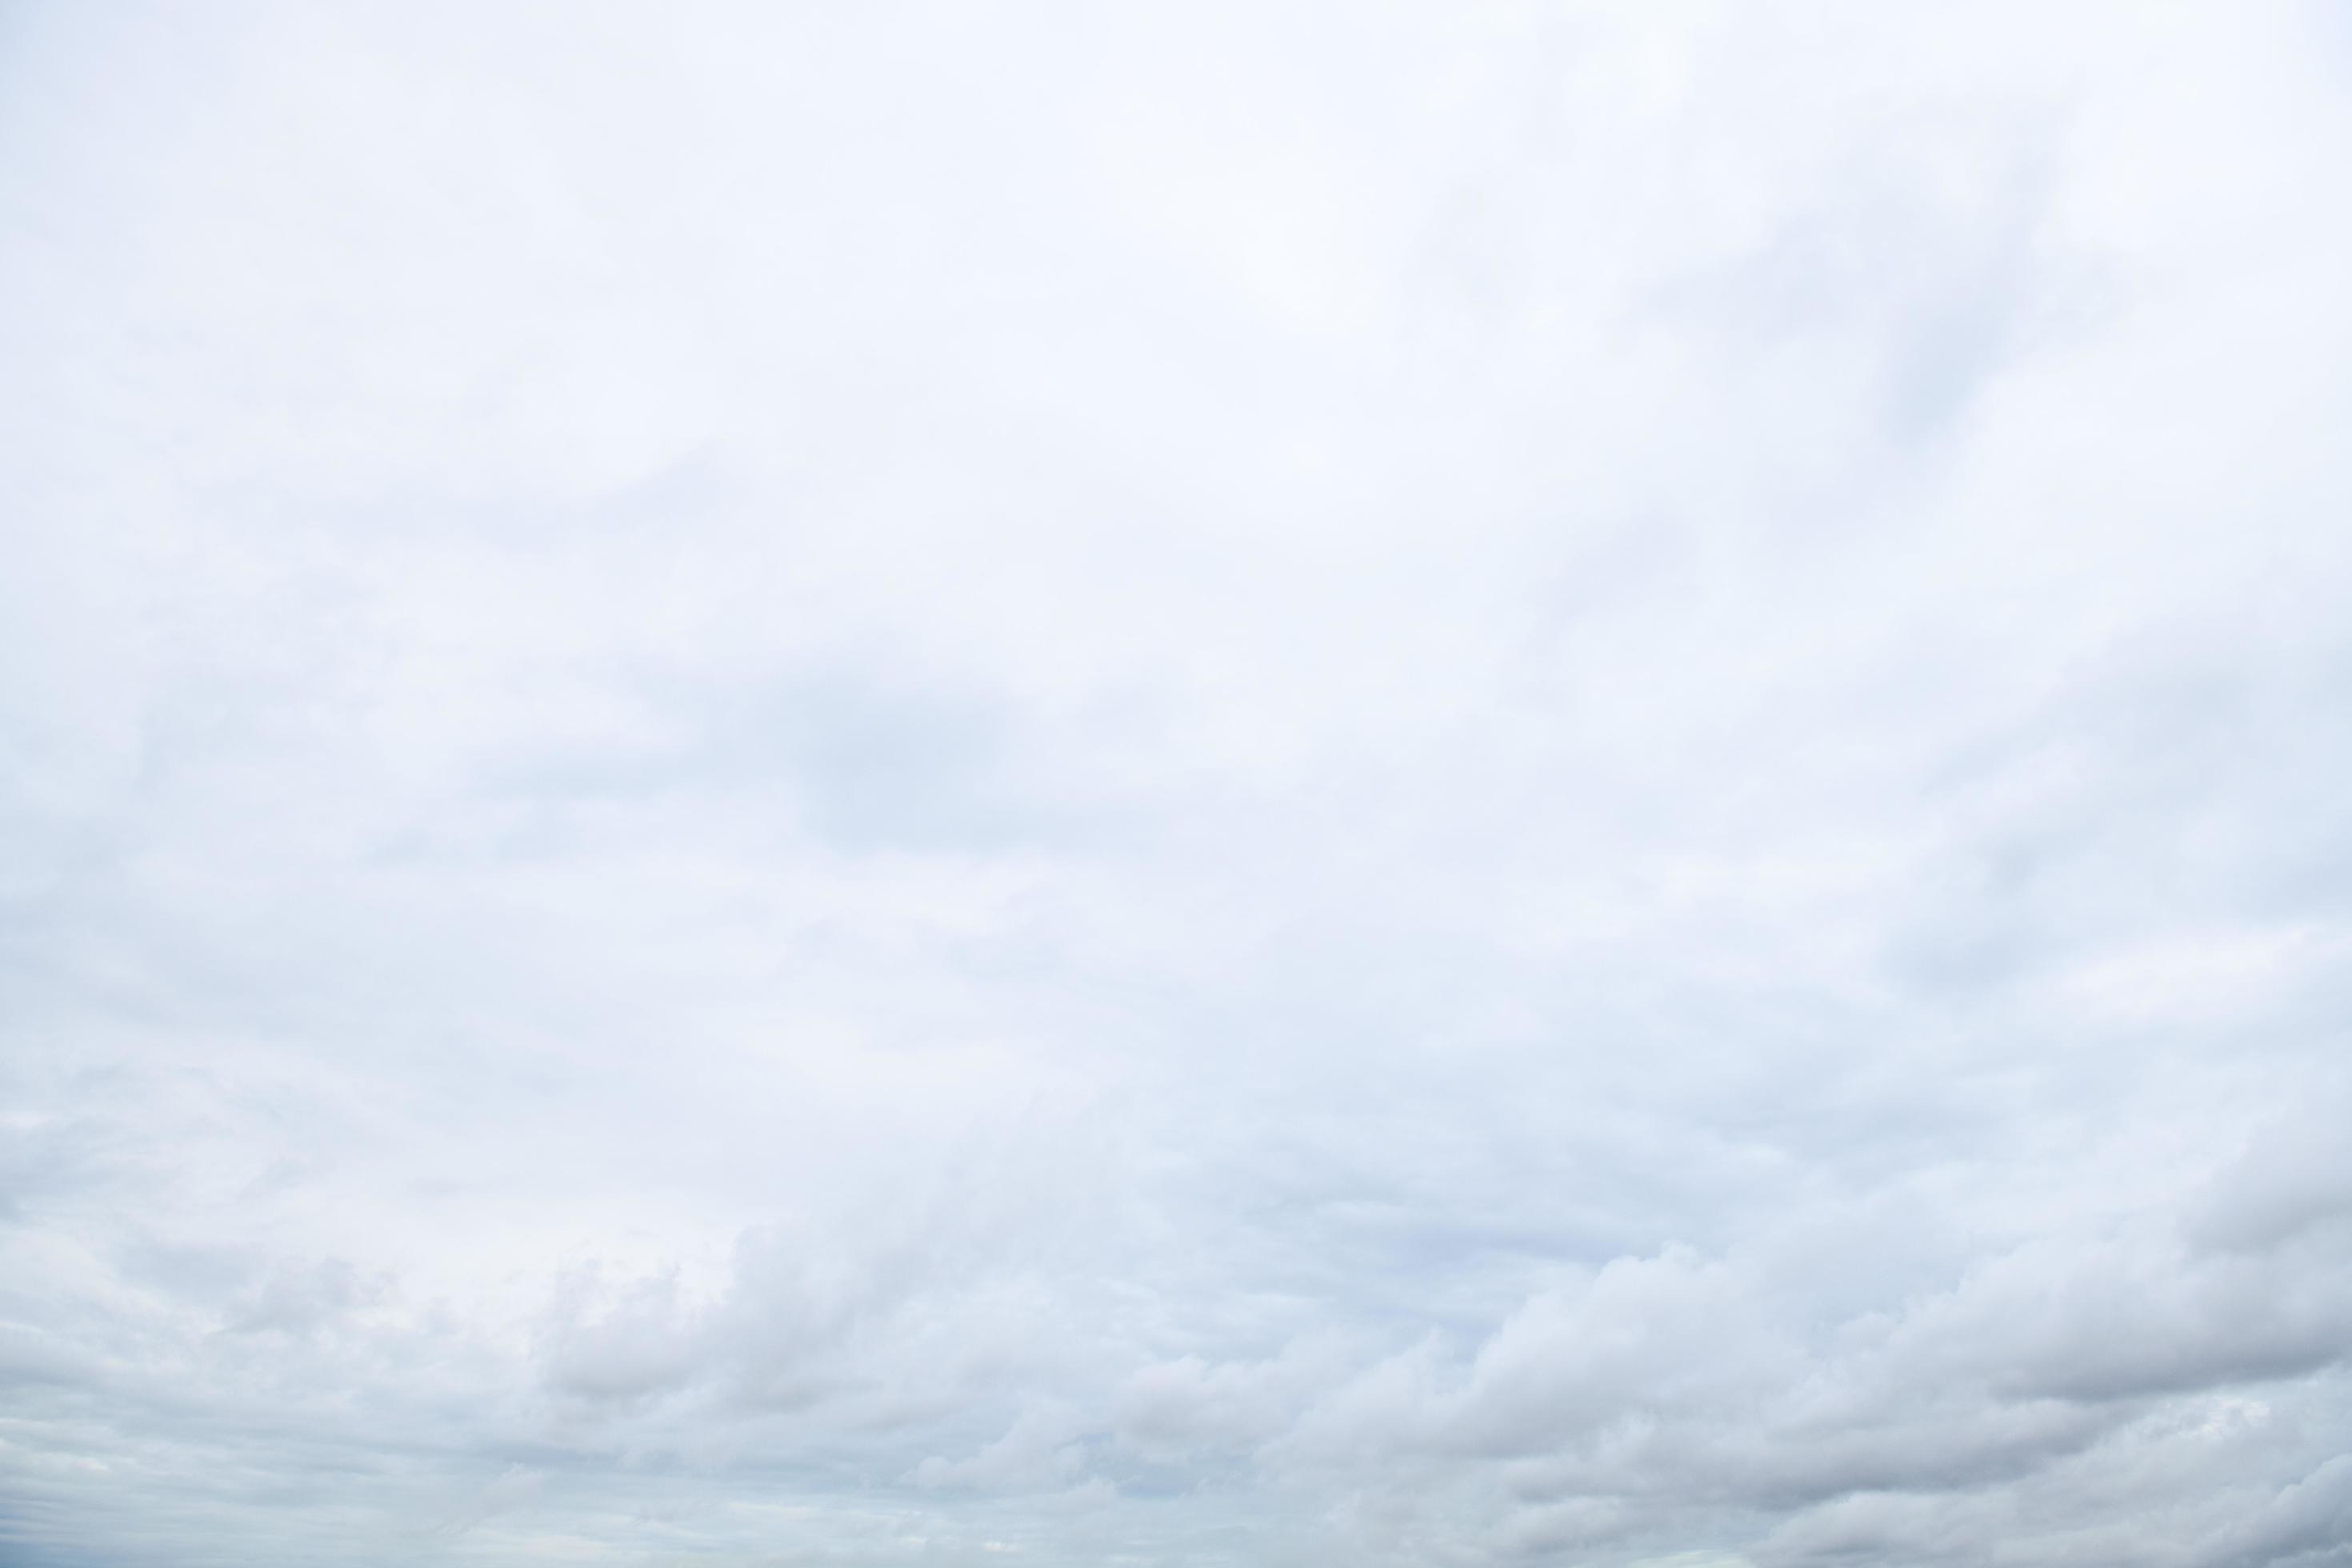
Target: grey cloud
pixel 2294 1183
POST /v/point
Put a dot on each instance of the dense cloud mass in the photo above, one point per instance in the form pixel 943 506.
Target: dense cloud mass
pixel 1278 784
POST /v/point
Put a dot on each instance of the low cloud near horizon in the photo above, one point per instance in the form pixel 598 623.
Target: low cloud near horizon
pixel 1284 785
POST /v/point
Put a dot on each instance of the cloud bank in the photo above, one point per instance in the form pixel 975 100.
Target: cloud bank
pixel 1458 785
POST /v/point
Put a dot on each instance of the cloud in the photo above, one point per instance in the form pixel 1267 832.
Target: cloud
pixel 1255 784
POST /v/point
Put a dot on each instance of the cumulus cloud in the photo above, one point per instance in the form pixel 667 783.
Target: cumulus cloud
pixel 1473 785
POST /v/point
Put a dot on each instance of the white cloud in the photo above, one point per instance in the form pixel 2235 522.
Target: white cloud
pixel 1254 783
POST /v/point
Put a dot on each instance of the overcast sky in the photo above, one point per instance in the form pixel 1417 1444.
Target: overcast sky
pixel 1433 785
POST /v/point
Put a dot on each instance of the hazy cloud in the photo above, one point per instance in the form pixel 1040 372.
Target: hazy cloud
pixel 1266 785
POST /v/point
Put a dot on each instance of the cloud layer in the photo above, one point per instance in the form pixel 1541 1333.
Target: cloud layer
pixel 1267 784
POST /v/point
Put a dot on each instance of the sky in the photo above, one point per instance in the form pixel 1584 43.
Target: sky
pixel 1433 785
